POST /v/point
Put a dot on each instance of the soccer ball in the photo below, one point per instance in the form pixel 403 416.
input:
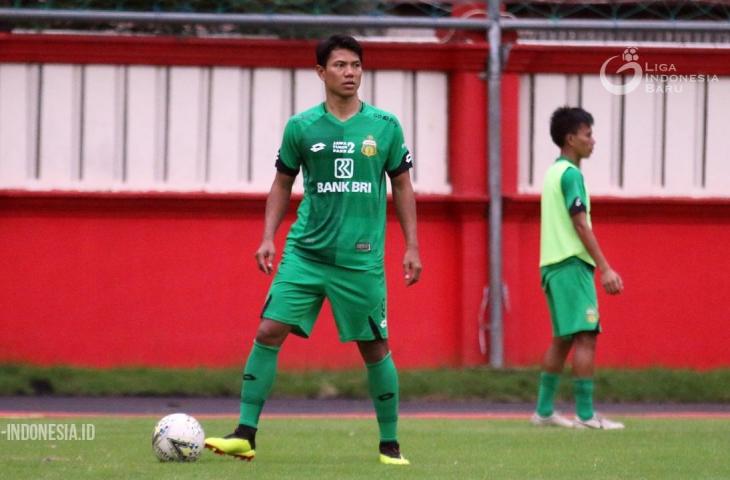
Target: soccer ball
pixel 178 438
pixel 631 54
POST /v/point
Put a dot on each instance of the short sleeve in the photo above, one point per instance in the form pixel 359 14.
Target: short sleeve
pixel 288 160
pixel 399 157
pixel 574 191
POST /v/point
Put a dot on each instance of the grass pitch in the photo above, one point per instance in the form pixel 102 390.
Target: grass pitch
pixel 347 448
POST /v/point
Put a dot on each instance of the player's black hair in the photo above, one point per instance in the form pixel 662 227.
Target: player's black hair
pixel 325 47
pixel 566 120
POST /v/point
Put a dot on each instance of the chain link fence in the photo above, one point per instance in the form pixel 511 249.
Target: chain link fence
pixel 277 7
pixel 555 10
pixel 552 9
pixel 618 10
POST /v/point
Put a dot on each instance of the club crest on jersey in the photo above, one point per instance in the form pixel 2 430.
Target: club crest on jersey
pixel 369 147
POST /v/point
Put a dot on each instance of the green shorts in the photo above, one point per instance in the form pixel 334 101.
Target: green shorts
pixel 357 298
pixel 571 296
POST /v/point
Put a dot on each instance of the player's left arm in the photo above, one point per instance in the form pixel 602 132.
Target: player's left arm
pixel 405 207
pixel 574 192
pixel 610 279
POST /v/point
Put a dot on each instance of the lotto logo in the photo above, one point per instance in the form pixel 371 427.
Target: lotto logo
pixel 344 167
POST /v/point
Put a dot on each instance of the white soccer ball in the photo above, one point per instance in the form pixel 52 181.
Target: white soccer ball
pixel 178 438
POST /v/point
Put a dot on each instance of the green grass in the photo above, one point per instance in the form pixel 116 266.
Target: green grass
pixel 342 449
pixel 510 385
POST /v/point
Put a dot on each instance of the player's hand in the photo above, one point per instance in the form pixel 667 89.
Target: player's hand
pixel 412 266
pixel 611 282
pixel 265 256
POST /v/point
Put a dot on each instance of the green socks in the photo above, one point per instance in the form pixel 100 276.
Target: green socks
pixel 383 388
pixel 260 371
pixel 546 393
pixel 258 377
pixel 583 390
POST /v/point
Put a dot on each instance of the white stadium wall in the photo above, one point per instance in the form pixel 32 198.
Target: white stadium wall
pixel 186 128
pixel 673 143
pixel 142 128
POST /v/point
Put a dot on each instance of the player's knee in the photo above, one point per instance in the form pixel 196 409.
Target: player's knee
pixel 373 351
pixel 272 333
pixel 563 343
pixel 585 340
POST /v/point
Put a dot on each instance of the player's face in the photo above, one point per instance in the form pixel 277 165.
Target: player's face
pixel 342 74
pixel 582 141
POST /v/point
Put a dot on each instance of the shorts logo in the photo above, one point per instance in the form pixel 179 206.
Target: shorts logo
pixel 591 315
pixel 384 323
pixel 363 246
pixel 344 167
pixel 318 147
pixel 369 147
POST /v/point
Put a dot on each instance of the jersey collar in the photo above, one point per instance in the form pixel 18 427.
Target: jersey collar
pixel 337 120
pixel 563 157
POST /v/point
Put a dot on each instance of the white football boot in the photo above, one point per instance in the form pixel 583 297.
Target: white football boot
pixel 598 422
pixel 553 420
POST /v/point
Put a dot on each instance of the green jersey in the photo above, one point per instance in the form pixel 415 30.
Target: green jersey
pixel 341 220
pixel 563 194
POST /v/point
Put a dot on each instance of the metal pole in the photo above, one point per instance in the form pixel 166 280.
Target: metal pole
pixel 240 19
pixel 494 106
pixel 624 25
pixel 375 21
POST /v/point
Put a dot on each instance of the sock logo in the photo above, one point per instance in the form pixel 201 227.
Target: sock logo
pixel 248 376
pixel 386 396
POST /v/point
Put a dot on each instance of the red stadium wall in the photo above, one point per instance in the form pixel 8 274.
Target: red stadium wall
pixel 672 255
pixel 169 279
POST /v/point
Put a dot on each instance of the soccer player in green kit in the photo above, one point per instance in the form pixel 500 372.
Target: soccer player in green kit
pixel 569 253
pixel 344 148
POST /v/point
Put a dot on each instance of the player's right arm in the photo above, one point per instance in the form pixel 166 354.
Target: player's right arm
pixel 287 167
pixel 277 204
